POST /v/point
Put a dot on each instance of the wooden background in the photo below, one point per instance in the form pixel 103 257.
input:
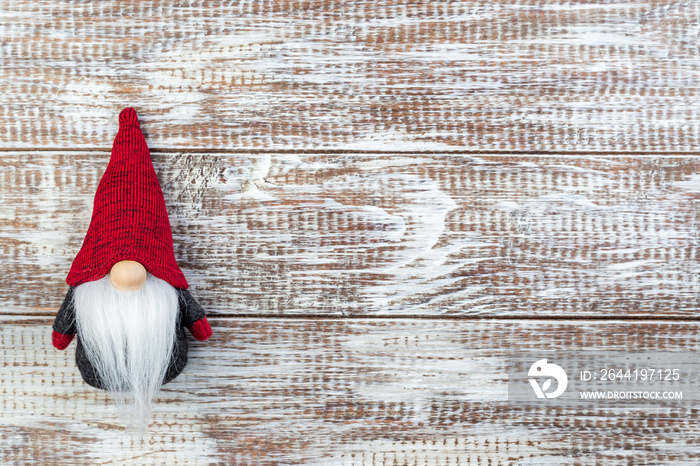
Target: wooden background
pixel 375 201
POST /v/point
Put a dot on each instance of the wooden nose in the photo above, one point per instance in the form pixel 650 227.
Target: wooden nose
pixel 127 276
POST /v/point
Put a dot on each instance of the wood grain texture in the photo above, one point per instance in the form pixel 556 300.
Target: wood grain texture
pixel 363 303
pixel 383 234
pixel 361 392
pixel 366 74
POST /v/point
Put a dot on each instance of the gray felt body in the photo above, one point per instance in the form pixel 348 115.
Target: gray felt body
pixel 189 312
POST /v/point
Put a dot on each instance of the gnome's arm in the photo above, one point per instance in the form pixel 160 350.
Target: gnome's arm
pixel 64 324
pixel 193 316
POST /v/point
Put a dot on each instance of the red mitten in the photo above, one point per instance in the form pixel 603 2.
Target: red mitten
pixel 201 329
pixel 60 341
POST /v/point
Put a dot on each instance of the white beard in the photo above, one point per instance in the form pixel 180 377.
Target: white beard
pixel 128 337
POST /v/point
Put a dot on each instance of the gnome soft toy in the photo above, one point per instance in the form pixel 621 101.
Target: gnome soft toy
pixel 128 300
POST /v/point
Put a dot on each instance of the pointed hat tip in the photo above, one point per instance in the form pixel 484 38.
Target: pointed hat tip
pixel 128 117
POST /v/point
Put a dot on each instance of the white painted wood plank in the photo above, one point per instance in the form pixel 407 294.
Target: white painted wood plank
pixel 349 392
pixel 510 75
pixel 383 234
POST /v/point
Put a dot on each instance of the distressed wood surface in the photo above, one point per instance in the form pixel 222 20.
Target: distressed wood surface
pixel 383 234
pixel 276 391
pixel 375 201
pixel 438 75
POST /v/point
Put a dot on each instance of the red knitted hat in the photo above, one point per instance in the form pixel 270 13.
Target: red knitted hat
pixel 129 220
